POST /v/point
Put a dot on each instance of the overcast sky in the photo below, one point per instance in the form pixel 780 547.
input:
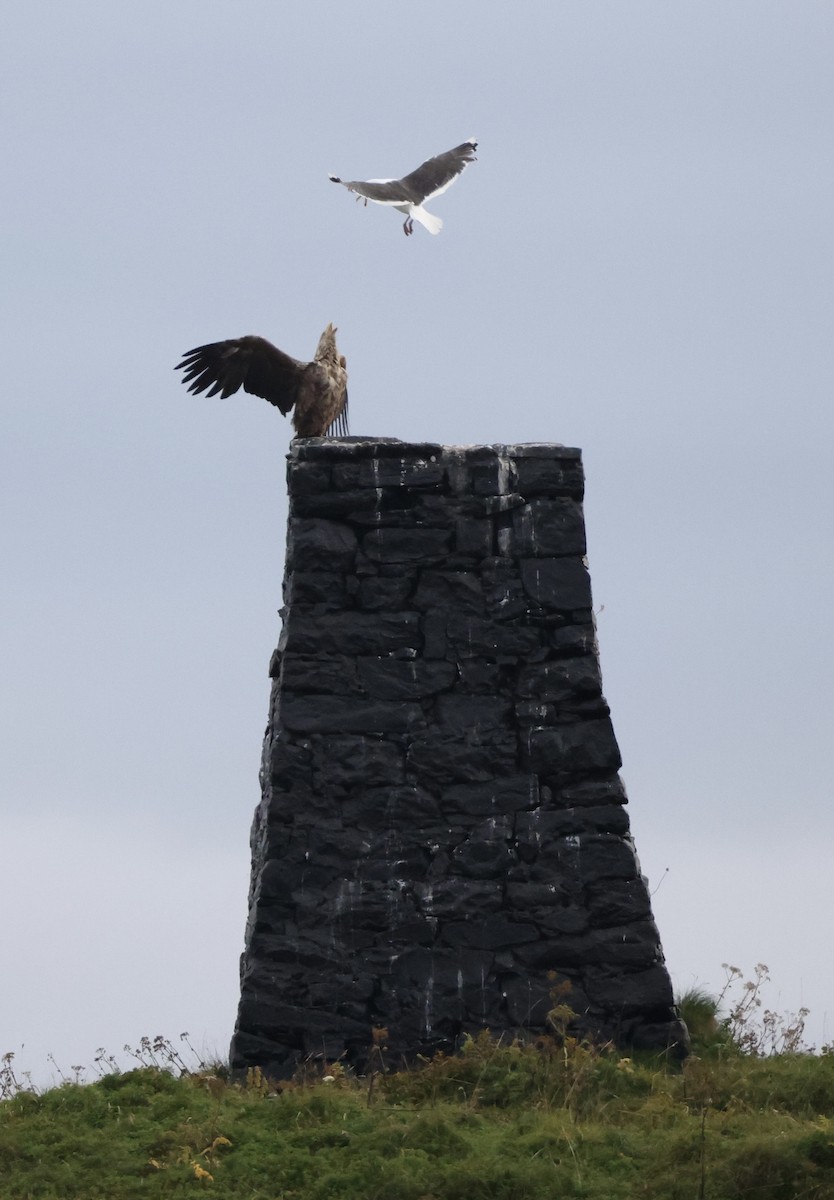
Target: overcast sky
pixel 640 264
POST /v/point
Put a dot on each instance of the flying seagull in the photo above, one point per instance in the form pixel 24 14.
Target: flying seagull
pixel 408 194
pixel 316 391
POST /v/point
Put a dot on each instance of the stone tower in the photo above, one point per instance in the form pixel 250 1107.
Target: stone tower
pixel 442 836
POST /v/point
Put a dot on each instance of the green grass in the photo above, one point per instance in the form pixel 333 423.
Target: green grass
pixel 497 1122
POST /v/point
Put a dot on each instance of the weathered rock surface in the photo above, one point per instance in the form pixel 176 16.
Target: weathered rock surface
pixel 442 837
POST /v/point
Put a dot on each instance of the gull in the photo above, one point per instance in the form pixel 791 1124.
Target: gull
pixel 315 391
pixel 408 194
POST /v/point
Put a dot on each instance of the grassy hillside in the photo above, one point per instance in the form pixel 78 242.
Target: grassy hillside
pixel 498 1122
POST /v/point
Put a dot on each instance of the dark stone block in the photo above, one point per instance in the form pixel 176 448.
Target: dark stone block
pixel 497 797
pixel 618 901
pixel 567 640
pixel 551 451
pixel 627 946
pixel 393 679
pixel 323 589
pixel 476 677
pixel 358 987
pixel 548 529
pixel 289 764
pixel 378 592
pixel 308 479
pixel 561 680
pixel 396 472
pixel 549 477
pixel 353 448
pixel 346 714
pixel 523 896
pixel 453 895
pixel 529 714
pixel 276 1059
pixel 433 510
pixel 434 758
pixel 493 505
pixel 354 506
pixel 473 536
pixel 629 993
pixel 484 855
pixel 361 633
pixel 406 545
pixel 330 844
pixel 336 675
pixel 557 583
pixel 606 856
pixel 279 880
pixel 593 791
pixel 310 1024
pixel 392 809
pixel 435 639
pixel 559 920
pixel 407 861
pixel 318 545
pixel 477 637
pixel 584 746
pixel 372 906
pixel 457 591
pixel 492 477
pixel 437 989
pixel 487 933
pixel 340 763
pixel 626 949
pixel 458 478
pixel 507 600
pixel 477 718
pixel 580 857
pixel 544 824
pixel 552 951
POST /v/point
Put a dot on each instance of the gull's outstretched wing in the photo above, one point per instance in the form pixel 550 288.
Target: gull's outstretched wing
pixel 436 174
pixel 430 179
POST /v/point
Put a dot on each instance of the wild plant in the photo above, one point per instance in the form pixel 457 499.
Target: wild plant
pixel 10 1083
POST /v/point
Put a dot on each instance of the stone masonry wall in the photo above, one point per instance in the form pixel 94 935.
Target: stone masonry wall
pixel 442 836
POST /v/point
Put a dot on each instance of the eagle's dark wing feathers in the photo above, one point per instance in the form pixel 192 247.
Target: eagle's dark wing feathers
pixel 316 391
pixel 250 362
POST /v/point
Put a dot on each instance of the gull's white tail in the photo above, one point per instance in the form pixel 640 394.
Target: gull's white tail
pixel 427 219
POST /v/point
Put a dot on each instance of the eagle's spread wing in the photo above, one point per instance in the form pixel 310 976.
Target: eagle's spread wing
pixel 316 391
pixel 252 363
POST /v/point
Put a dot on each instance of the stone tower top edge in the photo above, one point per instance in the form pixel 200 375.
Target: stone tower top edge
pixel 312 449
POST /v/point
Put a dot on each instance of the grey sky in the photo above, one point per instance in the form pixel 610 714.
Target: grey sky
pixel 640 264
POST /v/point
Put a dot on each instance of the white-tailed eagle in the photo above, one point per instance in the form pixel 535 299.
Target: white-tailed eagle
pixel 408 194
pixel 315 391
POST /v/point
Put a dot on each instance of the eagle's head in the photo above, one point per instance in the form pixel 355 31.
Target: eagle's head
pixel 327 343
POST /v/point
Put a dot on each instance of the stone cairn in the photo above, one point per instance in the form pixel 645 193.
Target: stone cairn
pixel 442 844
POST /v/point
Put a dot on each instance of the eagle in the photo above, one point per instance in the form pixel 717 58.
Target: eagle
pixel 315 391
pixel 408 194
